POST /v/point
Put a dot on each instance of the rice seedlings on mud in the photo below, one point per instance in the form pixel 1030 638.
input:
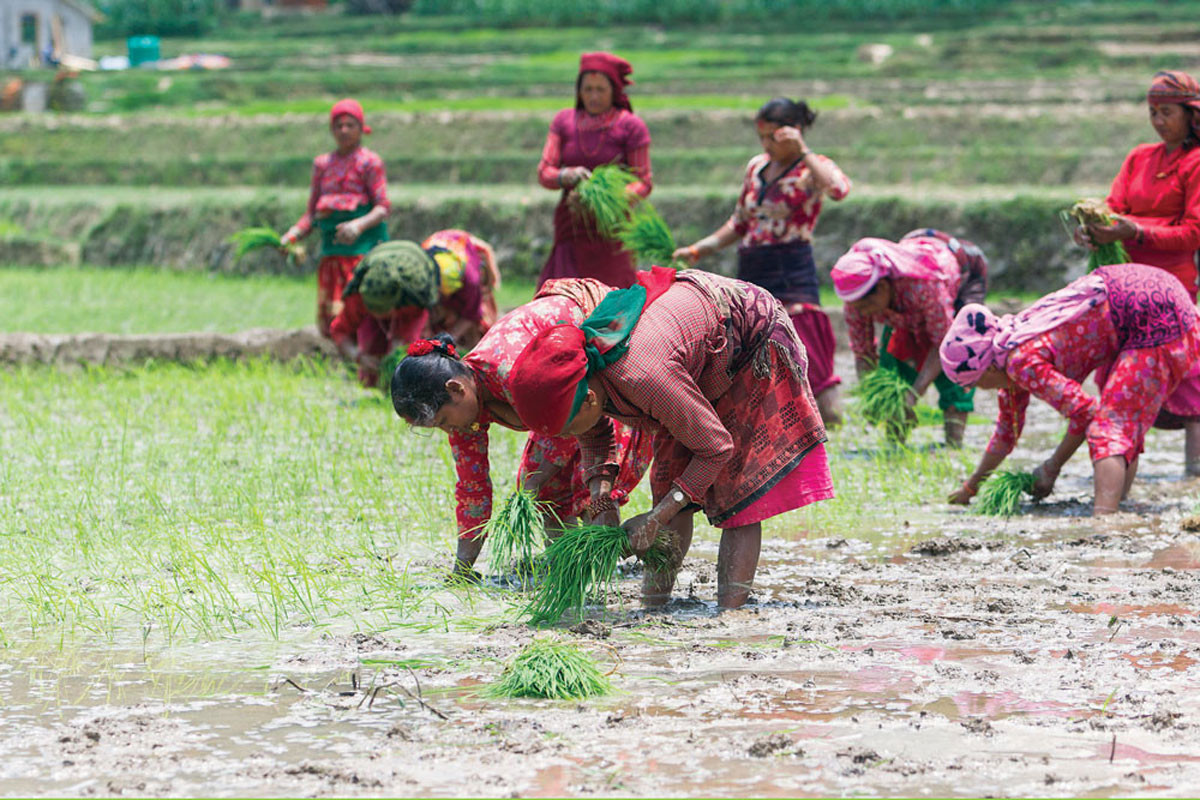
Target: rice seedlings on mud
pixel 514 537
pixel 882 396
pixel 603 197
pixel 581 568
pixel 248 240
pixel 1093 211
pixel 647 236
pixel 1001 494
pixel 553 670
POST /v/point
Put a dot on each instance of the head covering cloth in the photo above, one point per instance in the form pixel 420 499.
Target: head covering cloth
pixel 857 272
pixel 615 68
pixel 1176 86
pixel 549 379
pixel 349 107
pixel 394 275
pixel 978 339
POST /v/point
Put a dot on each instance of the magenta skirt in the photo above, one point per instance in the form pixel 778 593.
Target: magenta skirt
pixel 813 327
pixel 808 483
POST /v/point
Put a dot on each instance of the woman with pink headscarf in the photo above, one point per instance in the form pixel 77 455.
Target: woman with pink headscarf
pixel 1132 325
pixel 913 287
pixel 1156 197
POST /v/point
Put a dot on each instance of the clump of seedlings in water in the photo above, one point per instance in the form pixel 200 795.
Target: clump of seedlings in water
pixel 882 395
pixel 553 670
pixel 581 566
pixel 647 236
pixel 249 239
pixel 514 536
pixel 603 197
pixel 1001 494
pixel 1092 211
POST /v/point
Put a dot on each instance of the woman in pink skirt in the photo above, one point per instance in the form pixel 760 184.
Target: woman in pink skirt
pixel 1134 326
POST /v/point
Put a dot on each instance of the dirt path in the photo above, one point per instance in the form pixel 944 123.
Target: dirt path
pixel 110 349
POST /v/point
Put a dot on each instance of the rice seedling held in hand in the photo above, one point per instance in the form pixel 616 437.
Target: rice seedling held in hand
pixel 603 197
pixel 249 239
pixel 514 537
pixel 647 236
pixel 581 565
pixel 1001 494
pixel 1091 211
pixel 553 670
pixel 882 397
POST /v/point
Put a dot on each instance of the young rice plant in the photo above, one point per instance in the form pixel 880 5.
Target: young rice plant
pixel 881 395
pixel 514 536
pixel 647 236
pixel 603 197
pixel 553 670
pixel 249 239
pixel 1001 494
pixel 1091 211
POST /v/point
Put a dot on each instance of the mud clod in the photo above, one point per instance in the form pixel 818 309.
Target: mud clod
pixel 945 546
pixel 860 755
pixel 1162 719
pixel 592 627
pixel 1023 657
pixel 979 725
pixel 1191 524
pixel 776 743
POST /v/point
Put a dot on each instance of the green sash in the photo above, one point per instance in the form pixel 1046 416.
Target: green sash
pixel 367 240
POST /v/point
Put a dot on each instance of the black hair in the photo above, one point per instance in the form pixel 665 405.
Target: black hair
pixel 1191 140
pixel 419 382
pixel 782 111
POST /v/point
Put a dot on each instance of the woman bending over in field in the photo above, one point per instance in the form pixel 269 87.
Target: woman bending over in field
pixel 1132 325
pixel 402 291
pixel 913 287
pixel 774 220
pixel 434 387
pixel 712 367
pixel 348 202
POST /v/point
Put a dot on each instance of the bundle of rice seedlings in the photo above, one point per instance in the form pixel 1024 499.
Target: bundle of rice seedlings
pixel 881 394
pixel 1001 494
pixel 514 536
pixel 387 368
pixel 553 670
pixel 603 197
pixel 647 236
pixel 1092 211
pixel 250 239
pixel 581 565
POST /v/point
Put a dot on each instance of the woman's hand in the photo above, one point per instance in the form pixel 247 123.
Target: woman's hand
pixel 1043 480
pixel 790 133
pixel 690 254
pixel 963 495
pixel 348 231
pixel 1083 238
pixel 643 530
pixel 570 177
pixel 1120 230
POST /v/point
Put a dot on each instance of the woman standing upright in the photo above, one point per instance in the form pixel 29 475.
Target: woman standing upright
pixel 600 129
pixel 776 213
pixel 348 202
pixel 1156 197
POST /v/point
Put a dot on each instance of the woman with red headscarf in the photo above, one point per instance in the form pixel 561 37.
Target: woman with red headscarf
pixel 600 129
pixel 348 201
pixel 1156 197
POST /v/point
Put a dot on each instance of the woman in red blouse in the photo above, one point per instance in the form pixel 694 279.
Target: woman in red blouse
pixel 600 129
pixel 434 388
pixel 1156 197
pixel 776 213
pixel 402 291
pixel 348 201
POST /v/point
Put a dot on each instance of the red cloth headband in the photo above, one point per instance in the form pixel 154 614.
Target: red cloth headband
pixel 351 107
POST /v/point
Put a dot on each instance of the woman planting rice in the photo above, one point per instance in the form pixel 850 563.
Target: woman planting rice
pixel 348 202
pixel 1156 200
pixel 433 387
pixel 402 291
pixel 713 368
pixel 600 129
pixel 913 287
pixel 1133 325
pixel 775 216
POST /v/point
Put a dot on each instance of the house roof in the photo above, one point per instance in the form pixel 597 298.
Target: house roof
pixel 85 9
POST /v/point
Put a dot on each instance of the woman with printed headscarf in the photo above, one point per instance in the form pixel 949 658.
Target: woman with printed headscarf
pixel 913 287
pixel 1156 200
pixel 348 202
pixel 600 129
pixel 1132 325
pixel 402 291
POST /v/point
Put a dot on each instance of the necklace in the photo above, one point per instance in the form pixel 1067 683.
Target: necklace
pixel 608 117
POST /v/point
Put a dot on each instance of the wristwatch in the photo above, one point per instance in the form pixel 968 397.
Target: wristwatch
pixel 677 496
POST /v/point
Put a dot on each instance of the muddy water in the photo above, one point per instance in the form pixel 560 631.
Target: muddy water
pixel 1051 654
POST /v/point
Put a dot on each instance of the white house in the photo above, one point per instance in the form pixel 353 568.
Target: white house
pixel 32 29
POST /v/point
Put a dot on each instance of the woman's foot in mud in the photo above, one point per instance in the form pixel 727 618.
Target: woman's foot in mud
pixel 954 425
pixel 737 561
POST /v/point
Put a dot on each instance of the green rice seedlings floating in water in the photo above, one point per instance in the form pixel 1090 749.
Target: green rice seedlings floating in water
pixel 603 197
pixel 249 239
pixel 580 568
pixel 514 536
pixel 387 368
pixel 647 236
pixel 1001 494
pixel 553 670
pixel 881 394
pixel 1091 211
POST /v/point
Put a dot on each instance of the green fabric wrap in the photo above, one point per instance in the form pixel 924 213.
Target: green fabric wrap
pixel 363 244
pixel 606 334
pixel 951 396
pixel 395 275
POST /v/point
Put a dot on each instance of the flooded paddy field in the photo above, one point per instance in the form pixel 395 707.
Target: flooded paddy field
pixel 230 581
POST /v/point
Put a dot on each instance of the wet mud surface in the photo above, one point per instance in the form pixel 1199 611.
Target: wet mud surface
pixel 1050 654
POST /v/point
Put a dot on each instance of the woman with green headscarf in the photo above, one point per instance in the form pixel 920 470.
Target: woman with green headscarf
pixel 403 291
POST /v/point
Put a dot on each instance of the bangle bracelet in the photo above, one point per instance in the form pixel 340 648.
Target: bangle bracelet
pixel 600 504
pixel 970 490
pixel 693 253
